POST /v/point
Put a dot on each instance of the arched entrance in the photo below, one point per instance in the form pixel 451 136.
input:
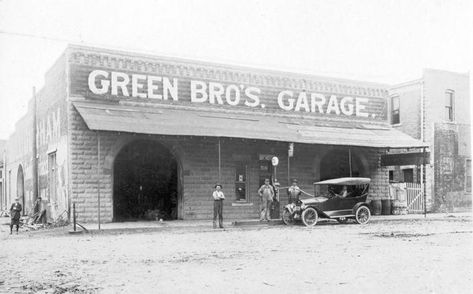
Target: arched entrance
pixel 336 164
pixel 20 187
pixel 145 182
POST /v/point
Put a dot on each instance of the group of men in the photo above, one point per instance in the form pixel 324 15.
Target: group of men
pixel 267 195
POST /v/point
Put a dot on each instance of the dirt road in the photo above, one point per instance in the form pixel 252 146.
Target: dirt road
pixel 408 256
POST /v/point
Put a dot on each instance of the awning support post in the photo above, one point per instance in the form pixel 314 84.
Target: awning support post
pixel 422 182
pixel 219 161
pixel 98 178
pixel 349 161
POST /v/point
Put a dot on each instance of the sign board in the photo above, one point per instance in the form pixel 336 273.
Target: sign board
pixel 274 161
pixel 412 158
pixel 290 151
pixel 116 77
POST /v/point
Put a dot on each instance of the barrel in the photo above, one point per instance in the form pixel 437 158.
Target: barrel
pixel 376 207
pixel 386 206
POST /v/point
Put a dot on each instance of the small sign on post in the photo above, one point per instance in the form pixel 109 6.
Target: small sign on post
pixel 290 151
pixel 274 161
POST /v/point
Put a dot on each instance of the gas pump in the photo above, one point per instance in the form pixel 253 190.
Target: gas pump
pixel 275 207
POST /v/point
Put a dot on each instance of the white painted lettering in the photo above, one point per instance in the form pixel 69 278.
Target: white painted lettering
pixel 216 91
pixel 170 88
pixel 252 93
pixel 136 85
pixel 104 84
pixel 333 105
pixel 152 87
pixel 360 107
pixel 290 100
pixel 198 91
pixel 346 105
pixel 120 80
pixel 228 95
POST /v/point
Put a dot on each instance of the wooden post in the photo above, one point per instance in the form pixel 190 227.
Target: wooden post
pixel 35 149
pixel 98 178
pixel 219 161
pixel 422 182
pixel 349 161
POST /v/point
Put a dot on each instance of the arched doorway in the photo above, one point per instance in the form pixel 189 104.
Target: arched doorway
pixel 145 182
pixel 336 164
pixel 20 187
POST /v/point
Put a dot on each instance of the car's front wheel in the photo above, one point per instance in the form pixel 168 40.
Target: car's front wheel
pixel 287 217
pixel 310 217
pixel 362 215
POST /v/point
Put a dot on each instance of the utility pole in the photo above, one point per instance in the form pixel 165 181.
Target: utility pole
pixel 35 149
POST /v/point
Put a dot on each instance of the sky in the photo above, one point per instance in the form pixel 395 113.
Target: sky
pixel 384 41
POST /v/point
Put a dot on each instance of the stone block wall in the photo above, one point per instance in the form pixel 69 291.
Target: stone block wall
pixel 198 170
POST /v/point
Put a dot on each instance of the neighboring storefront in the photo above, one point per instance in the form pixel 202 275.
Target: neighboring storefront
pixel 436 110
pixel 137 135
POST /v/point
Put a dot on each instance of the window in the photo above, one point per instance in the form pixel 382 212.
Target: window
pixel 449 104
pixel 52 176
pixel 240 182
pixel 395 106
pixel 391 176
pixel 468 176
pixel 408 175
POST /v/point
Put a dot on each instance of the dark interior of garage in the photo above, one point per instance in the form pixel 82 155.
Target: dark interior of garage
pixel 145 182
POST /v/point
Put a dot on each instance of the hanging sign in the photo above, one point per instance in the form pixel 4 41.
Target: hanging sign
pixel 290 151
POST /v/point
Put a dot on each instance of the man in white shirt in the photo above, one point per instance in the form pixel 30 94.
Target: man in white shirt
pixel 218 206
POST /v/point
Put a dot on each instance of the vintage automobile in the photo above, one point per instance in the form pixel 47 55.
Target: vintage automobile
pixel 341 199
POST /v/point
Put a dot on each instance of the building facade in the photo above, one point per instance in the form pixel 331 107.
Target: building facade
pixel 125 135
pixel 436 110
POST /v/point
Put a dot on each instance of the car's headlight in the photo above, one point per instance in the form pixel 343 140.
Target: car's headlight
pixel 303 206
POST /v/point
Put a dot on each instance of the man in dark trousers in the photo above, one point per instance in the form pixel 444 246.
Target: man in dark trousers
pixel 15 213
pixel 218 205
pixel 294 192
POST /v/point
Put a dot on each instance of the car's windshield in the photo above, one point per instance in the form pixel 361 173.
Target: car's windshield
pixel 341 190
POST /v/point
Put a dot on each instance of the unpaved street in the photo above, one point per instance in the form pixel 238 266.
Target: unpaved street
pixel 398 256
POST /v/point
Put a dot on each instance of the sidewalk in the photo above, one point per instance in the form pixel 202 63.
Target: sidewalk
pixel 199 225
pixel 206 225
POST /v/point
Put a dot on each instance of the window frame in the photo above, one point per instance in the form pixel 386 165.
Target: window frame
pixel 468 183
pixel 450 107
pixel 398 114
pixel 244 167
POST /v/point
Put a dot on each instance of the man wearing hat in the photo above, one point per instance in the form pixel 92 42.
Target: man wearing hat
pixel 15 213
pixel 266 193
pixel 218 205
pixel 293 192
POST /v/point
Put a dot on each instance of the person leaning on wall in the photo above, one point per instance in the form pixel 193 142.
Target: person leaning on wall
pixel 218 197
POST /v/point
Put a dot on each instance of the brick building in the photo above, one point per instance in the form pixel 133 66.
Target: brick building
pixel 3 199
pixel 436 110
pixel 121 134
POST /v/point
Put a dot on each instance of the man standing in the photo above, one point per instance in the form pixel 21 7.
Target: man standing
pixel 218 205
pixel 15 213
pixel 266 193
pixel 294 192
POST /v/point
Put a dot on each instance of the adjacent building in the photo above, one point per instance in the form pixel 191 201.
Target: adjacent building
pixel 3 196
pixel 124 136
pixel 436 110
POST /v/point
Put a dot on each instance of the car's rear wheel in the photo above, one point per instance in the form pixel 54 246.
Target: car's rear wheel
pixel 287 217
pixel 310 217
pixel 342 220
pixel 362 215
